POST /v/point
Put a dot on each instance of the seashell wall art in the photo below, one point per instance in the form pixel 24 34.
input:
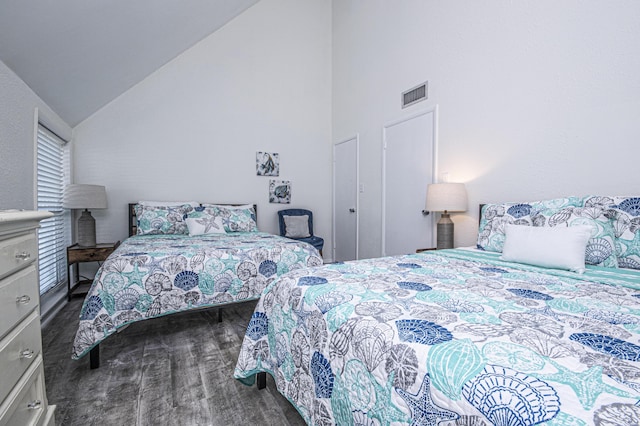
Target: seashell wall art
pixel 267 163
pixel 280 191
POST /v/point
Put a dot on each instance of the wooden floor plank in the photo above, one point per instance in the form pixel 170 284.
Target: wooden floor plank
pixel 174 370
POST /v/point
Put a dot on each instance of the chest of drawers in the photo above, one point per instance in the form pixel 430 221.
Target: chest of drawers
pixel 23 398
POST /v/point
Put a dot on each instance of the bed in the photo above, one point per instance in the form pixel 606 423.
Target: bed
pixel 461 336
pixel 160 270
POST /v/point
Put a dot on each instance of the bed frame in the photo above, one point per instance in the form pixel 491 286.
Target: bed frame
pixel 94 353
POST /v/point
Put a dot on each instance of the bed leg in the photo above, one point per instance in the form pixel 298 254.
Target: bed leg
pixel 94 357
pixel 261 379
pixel 219 314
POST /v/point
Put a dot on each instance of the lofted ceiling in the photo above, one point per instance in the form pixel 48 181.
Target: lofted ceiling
pixel 78 55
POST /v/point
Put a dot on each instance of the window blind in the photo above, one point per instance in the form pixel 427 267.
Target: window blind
pixel 53 170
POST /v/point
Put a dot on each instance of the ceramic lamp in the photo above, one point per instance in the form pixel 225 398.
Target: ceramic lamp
pixel 81 196
pixel 445 198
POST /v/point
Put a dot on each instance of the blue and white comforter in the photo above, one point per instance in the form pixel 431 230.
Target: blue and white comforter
pixel 450 338
pixel 153 275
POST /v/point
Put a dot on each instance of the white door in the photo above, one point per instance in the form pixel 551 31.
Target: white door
pixel 345 200
pixel 408 167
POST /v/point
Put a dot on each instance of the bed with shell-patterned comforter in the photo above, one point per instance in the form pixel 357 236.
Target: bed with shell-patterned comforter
pixel 149 276
pixel 452 337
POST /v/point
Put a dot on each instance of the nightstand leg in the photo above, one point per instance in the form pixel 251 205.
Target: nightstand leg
pixel 74 269
pixel 69 273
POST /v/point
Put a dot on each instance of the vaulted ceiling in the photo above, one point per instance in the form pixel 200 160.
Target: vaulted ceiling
pixel 78 55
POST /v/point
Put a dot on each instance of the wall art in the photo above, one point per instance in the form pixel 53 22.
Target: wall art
pixel 280 191
pixel 267 163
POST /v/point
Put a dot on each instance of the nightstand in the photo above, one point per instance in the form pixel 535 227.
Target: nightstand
pixel 420 250
pixel 76 255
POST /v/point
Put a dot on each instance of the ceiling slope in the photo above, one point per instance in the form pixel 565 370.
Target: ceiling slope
pixel 79 55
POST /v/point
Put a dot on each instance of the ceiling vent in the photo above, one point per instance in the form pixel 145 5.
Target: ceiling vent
pixel 414 95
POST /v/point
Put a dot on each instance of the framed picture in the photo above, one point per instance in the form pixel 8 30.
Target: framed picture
pixel 280 191
pixel 267 163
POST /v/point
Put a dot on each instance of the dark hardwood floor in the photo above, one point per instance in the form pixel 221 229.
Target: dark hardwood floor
pixel 174 370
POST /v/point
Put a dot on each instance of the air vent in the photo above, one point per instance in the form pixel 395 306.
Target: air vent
pixel 414 95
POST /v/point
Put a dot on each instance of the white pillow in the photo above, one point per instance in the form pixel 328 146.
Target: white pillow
pixel 204 225
pixel 296 226
pixel 557 247
pixel 168 203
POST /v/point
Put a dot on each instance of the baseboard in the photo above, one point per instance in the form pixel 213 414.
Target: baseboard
pixel 51 303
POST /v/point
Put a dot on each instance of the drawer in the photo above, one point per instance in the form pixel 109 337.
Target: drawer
pixel 17 252
pixel 90 254
pixel 27 403
pixel 49 419
pixel 18 296
pixel 17 352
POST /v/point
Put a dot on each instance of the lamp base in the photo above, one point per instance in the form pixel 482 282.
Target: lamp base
pixel 86 229
pixel 445 232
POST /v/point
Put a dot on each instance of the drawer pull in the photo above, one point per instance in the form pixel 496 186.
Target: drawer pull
pixel 23 299
pixel 23 255
pixel 27 354
pixel 34 405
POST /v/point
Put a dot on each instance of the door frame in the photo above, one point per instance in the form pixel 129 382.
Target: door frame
pixel 434 167
pixel 333 195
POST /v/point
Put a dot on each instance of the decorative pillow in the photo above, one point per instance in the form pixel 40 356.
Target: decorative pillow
pixel 168 203
pixel 557 247
pixel 204 221
pixel 561 212
pixel 496 216
pixel 162 220
pixel 625 217
pixel 601 247
pixel 296 226
pixel 236 218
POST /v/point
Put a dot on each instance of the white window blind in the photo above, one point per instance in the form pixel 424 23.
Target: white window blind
pixel 53 171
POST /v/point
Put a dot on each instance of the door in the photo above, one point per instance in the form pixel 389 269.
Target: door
pixel 345 200
pixel 408 167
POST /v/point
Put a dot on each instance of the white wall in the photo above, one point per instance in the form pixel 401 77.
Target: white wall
pixel 537 99
pixel 191 130
pixel 18 104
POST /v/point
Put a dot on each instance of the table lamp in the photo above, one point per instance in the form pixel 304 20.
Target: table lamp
pixel 81 196
pixel 445 198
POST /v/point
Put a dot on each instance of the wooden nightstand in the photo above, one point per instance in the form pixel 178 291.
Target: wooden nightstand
pixel 77 255
pixel 420 250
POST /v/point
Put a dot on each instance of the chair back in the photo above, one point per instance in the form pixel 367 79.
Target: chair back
pixel 294 212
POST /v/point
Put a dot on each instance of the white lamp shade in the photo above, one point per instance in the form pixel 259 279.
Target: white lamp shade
pixel 81 196
pixel 450 197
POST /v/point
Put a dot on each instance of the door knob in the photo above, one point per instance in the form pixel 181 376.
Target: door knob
pixel 352 210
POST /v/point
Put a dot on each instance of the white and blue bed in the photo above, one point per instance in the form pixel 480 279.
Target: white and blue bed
pixel 181 258
pixel 463 337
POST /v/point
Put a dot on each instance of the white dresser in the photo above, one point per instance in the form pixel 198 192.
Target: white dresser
pixel 23 398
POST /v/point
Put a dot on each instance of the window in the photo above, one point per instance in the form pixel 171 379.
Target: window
pixel 53 172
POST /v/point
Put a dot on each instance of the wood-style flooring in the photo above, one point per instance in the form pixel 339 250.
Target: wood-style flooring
pixel 174 370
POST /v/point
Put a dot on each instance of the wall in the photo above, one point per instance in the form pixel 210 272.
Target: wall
pixel 17 139
pixel 191 130
pixel 537 99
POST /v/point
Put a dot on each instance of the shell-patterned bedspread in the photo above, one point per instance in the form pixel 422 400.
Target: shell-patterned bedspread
pixel 154 275
pixel 450 338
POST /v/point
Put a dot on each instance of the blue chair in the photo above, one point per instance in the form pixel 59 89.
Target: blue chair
pixel 314 240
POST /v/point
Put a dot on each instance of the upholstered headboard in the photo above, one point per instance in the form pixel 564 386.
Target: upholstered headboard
pixel 133 220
